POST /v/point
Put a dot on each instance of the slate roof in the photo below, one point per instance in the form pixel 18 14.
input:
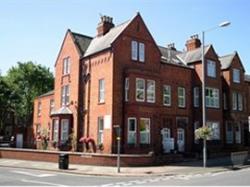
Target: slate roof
pixel 189 57
pixel 226 60
pixel 247 78
pixel 47 94
pixel 62 111
pixel 103 42
pixel 82 42
pixel 170 56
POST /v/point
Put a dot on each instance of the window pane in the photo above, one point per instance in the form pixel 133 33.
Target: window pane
pixel 236 75
pixel 131 130
pixel 134 50
pixel 140 90
pixel 141 52
pixel 211 68
pixel 166 95
pixel 150 91
pixel 144 131
pixel 101 90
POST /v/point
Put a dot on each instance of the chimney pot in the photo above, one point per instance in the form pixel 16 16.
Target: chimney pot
pixel 105 25
pixel 193 43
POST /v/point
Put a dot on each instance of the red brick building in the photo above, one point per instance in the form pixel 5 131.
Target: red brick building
pixel 121 77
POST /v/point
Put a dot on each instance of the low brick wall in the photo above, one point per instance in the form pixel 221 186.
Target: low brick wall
pixel 77 158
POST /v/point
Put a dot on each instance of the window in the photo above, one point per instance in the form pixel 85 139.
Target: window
pixel 131 130
pixel 145 131
pixel 100 130
pixel 52 106
pixel 64 130
pixel 236 75
pixel 66 66
pixel 234 101
pixel 237 134
pixel 196 126
pixel 65 95
pixel 229 133
pixel 39 109
pixel 240 102
pixel 215 126
pixel 126 89
pixel 237 101
pixel 134 50
pixel 212 97
pixel 150 91
pixel 141 52
pixel 101 91
pixel 55 129
pixel 181 97
pixel 225 101
pixel 166 95
pixel 211 68
pixel 196 97
pixel 138 50
pixel 140 90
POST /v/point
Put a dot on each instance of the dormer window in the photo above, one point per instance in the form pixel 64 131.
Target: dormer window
pixel 211 68
pixel 138 51
pixel 236 75
pixel 66 66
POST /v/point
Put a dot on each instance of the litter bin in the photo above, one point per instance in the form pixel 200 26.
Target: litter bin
pixel 63 161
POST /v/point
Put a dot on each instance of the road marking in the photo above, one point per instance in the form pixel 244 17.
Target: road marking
pixel 34 175
pixel 40 182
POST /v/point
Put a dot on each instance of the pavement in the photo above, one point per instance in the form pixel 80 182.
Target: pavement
pixel 183 168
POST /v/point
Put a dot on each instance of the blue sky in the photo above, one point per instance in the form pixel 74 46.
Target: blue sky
pixel 34 30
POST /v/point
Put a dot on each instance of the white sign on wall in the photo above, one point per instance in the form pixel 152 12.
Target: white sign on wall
pixel 107 121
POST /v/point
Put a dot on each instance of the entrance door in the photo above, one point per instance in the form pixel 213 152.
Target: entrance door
pixel 181 139
pixel 19 140
pixel 166 140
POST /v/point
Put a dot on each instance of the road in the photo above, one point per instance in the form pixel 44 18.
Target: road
pixel 27 177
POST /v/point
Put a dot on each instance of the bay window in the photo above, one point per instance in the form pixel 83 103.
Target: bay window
pixel 64 130
pixel 144 131
pixel 131 131
pixel 140 89
pixel 215 127
pixel 212 98
pixel 166 95
pixel 150 91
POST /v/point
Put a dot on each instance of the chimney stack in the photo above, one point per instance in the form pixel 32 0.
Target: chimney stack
pixel 105 25
pixel 171 46
pixel 193 43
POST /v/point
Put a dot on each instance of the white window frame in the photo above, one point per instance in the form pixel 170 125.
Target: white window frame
pixel 65 95
pixel 214 100
pixel 166 94
pixel 101 91
pixel 126 88
pixel 55 130
pixel 64 131
pixel 137 90
pixel 141 52
pixel 66 66
pixel 229 133
pixel 236 75
pixel 234 101
pixel 240 102
pixel 196 126
pixel 215 130
pixel 150 91
pixel 134 50
pixel 181 97
pixel 100 130
pixel 196 96
pixel 145 132
pixel 131 134
pixel 51 105
pixel 39 108
pixel 211 68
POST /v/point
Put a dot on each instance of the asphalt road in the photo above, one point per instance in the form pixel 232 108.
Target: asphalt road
pixel 27 177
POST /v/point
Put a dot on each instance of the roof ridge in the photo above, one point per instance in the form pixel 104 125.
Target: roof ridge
pixel 230 54
pixel 76 33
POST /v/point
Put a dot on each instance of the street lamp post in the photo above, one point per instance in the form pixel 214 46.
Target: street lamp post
pixel 223 24
pixel 118 138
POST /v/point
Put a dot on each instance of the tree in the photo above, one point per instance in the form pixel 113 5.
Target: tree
pixel 28 80
pixel 7 99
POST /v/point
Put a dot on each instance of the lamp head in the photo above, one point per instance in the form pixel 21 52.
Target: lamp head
pixel 224 24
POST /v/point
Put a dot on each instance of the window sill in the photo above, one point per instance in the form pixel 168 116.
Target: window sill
pixel 101 103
